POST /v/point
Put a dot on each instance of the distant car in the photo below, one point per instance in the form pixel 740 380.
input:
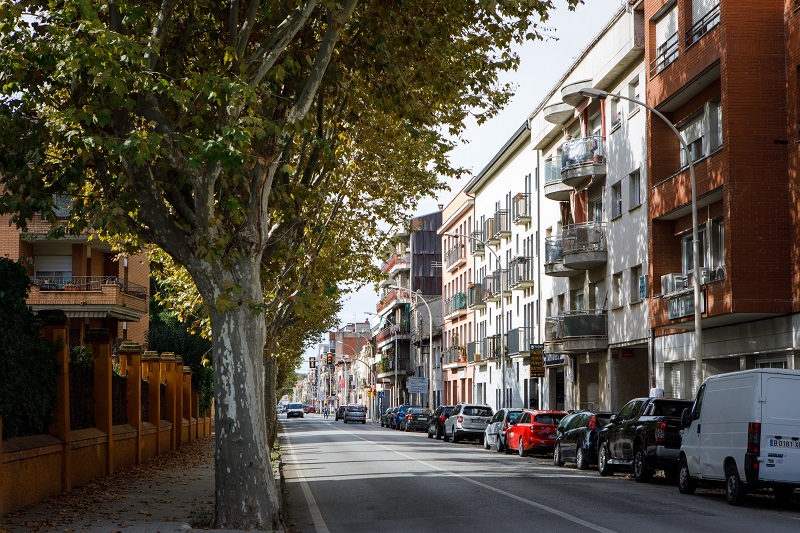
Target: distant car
pixel 467 421
pixel 533 432
pixel 576 438
pixel 495 434
pixel 312 409
pixel 436 421
pixel 294 410
pixel 385 417
pixel 416 419
pixel 355 413
pixel 340 412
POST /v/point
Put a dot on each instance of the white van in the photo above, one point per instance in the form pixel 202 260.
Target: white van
pixel 744 430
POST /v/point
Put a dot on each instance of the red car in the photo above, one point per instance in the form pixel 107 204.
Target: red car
pixel 533 432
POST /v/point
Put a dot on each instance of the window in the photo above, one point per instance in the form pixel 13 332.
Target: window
pixel 666 41
pixel 616 290
pixel 772 364
pixel 638 284
pixel 703 131
pixel 635 190
pixel 597 295
pixel 616 200
pixel 712 254
pixel 705 16
pixel 615 112
pixel 597 209
pixel 633 92
pixel 692 134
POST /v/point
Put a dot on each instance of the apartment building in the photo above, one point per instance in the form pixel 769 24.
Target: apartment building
pixel 83 277
pixel 413 268
pixel 594 224
pixel 506 270
pixel 719 72
pixel 460 294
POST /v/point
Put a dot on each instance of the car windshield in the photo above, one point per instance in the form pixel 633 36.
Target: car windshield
pixel 674 409
pixel 295 406
pixel 416 411
pixel 477 411
pixel 548 419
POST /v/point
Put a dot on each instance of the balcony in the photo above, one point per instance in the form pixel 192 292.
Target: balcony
pixel 455 306
pixel 554 187
pixel 391 331
pixel 490 347
pixel 553 333
pixel 454 355
pixel 397 262
pixel 703 26
pixel 558 113
pixel 488 232
pixel 89 297
pixel 475 296
pixel 500 283
pixel 571 93
pixel 476 243
pixel 554 258
pixel 502 226
pixel 666 53
pixel 585 331
pixel 521 208
pixel 474 352
pixel 455 257
pixel 391 297
pixel 490 293
pixel 583 159
pixel 584 245
pixel 521 273
pixel 518 341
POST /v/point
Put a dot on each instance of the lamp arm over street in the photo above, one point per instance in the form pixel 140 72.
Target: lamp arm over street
pixel 698 328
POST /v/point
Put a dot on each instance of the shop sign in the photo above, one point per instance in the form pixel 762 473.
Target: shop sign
pixel 537 361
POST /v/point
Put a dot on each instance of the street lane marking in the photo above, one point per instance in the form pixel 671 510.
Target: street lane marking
pixel 540 506
pixel 316 515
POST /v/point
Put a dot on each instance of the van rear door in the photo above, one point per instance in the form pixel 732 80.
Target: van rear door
pixel 780 428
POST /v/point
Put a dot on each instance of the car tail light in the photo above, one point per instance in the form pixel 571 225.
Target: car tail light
pixel 754 437
pixel 460 419
pixel 441 418
pixel 592 422
pixel 661 431
pixel 409 417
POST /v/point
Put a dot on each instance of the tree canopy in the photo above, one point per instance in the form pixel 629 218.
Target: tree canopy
pixel 260 144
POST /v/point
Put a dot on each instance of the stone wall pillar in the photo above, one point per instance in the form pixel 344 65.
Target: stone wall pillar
pixel 168 374
pixel 179 399
pixel 196 414
pixel 100 341
pixel 187 403
pixel 56 332
pixel 130 358
pixel 151 368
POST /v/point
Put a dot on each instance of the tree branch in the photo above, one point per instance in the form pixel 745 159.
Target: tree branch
pixel 160 28
pixel 247 29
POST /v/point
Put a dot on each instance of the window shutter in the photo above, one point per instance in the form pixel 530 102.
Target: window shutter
pixel 700 8
pixel 666 27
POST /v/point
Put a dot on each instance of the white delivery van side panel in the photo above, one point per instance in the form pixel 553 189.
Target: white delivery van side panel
pixel 780 428
pixel 730 404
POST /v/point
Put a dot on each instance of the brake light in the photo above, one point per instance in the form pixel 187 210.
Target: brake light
pixel 661 432
pixel 460 419
pixel 592 422
pixel 754 437
pixel 409 417
pixel 441 418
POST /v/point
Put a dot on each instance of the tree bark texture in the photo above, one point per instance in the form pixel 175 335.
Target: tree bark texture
pixel 271 398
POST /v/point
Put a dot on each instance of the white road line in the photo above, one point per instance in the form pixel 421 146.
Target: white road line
pixel 540 506
pixel 316 515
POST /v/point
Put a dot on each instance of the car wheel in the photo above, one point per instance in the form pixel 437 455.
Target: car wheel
pixel 363 421
pixel 498 445
pixel 557 459
pixel 735 491
pixel 603 467
pixel 381 423
pixel 439 433
pixel 686 485
pixel 430 435
pixel 580 459
pixel 455 435
pixel 407 428
pixel 445 435
pixel 485 442
pixel 641 473
pixel 521 450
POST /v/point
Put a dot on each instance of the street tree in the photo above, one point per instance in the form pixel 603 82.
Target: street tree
pixel 233 136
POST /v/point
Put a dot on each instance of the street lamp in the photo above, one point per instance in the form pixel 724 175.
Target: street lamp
pixel 698 329
pixel 430 342
pixel 502 311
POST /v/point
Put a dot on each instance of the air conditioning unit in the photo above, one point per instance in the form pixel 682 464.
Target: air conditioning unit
pixel 681 282
pixel 671 283
pixel 717 274
pixel 705 275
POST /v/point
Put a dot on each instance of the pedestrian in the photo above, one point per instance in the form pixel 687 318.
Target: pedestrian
pixel 325 412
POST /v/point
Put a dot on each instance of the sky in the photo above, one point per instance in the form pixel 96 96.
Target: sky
pixel 542 65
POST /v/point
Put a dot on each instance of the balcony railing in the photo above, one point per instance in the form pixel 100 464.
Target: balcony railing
pixel 553 249
pixel 501 281
pixel 488 230
pixel 455 303
pixel 450 355
pixel 588 236
pixel 391 296
pixel 88 283
pixel 552 171
pixel 521 272
pixel 703 26
pixel 666 53
pixel 519 340
pixel 501 224
pixel 491 291
pixel 392 330
pixel 454 255
pixel 553 329
pixel 399 260
pixel 520 208
pixel 585 323
pixel 476 243
pixel 584 151
pixel 474 352
pixel 475 296
pixel 490 347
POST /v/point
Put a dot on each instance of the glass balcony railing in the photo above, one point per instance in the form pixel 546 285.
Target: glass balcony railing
pixel 588 236
pixel 553 329
pixel 585 323
pixel 553 249
pixel 552 171
pixel 583 151
pixel 518 340
pixel 455 303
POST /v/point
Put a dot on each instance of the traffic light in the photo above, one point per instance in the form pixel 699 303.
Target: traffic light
pixel 330 358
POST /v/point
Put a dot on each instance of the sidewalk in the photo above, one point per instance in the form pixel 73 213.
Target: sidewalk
pixel 171 493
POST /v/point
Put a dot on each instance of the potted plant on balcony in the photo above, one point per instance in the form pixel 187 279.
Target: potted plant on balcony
pixel 71 286
pixel 46 284
pixel 462 354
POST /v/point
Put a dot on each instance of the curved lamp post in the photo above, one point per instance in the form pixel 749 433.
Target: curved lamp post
pixel 502 311
pixel 430 342
pixel 698 329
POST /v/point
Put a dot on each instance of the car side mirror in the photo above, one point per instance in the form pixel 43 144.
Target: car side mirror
pixel 686 418
pixel 613 419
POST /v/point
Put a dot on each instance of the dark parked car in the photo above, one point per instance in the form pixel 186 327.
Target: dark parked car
pixel 386 417
pixel 399 414
pixel 436 421
pixel 416 418
pixel 495 434
pixel 644 436
pixel 576 438
pixel 355 413
pixel 340 412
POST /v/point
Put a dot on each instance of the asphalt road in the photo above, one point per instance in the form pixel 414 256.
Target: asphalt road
pixel 354 477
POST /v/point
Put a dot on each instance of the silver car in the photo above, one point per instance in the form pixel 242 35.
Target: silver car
pixel 355 413
pixel 495 434
pixel 467 421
